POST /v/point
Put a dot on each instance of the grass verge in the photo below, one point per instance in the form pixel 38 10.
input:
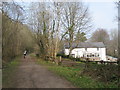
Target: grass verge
pixel 9 72
pixel 73 74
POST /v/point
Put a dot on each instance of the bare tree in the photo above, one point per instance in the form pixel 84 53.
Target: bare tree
pixel 14 33
pixel 112 45
pixel 14 11
pixel 75 19
pixel 56 27
pixel 42 25
pixel 54 21
pixel 46 24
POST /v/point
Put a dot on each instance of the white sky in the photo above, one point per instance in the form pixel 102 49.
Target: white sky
pixel 103 14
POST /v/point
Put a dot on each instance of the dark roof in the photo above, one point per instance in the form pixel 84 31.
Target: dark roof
pixel 86 45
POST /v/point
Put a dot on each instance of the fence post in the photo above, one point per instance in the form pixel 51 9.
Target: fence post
pixel 60 59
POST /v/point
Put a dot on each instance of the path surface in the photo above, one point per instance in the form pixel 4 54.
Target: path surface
pixel 32 75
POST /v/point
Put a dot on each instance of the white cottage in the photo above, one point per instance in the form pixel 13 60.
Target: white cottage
pixel 93 50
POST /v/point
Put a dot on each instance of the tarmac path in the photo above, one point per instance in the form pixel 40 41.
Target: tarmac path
pixel 33 75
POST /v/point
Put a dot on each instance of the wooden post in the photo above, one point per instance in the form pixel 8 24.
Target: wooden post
pixel 57 62
pixel 60 59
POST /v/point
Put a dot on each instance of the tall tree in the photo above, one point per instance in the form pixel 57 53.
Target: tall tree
pixel 75 19
pixel 14 11
pixel 46 25
pixel 56 27
pixel 80 37
pixel 14 33
pixel 62 20
pixel 100 35
pixel 42 25
pixel 112 45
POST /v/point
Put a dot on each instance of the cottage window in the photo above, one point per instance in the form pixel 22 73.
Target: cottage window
pixel 87 55
pixel 96 55
pixel 90 54
pixel 73 55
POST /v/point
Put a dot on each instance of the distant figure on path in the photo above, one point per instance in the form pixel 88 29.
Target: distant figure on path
pixel 25 53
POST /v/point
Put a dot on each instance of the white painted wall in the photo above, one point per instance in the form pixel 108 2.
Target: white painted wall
pixel 103 54
pixel 80 51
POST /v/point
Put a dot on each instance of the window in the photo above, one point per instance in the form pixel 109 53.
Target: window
pixel 87 55
pixel 96 55
pixel 73 55
pixel 90 54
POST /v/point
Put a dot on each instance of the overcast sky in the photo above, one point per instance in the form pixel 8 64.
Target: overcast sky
pixel 103 14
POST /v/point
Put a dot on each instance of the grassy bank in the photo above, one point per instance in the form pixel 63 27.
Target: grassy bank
pixel 73 74
pixel 9 72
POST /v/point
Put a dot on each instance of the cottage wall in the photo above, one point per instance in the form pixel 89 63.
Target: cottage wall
pixel 83 52
pixel 103 54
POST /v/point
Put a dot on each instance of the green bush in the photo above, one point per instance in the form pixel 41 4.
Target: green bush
pixel 62 55
pixel 37 55
pixel 102 72
pixel 69 57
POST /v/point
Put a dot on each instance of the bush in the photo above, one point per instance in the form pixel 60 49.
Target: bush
pixel 70 57
pixel 62 55
pixel 37 55
pixel 76 59
pixel 104 73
